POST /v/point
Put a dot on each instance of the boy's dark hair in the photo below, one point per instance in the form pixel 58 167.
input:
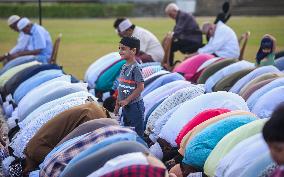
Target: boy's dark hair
pixel 273 128
pixel 117 22
pixel 131 42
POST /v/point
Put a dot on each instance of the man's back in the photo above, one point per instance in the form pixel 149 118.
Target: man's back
pixel 40 39
pixel 186 28
pixel 224 43
pixel 149 43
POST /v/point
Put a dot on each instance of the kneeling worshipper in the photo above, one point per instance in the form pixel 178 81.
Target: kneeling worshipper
pixel 162 80
pixel 35 81
pixel 259 165
pixel 55 163
pixel 212 80
pixel 12 84
pixel 141 164
pixel 169 103
pixel 52 132
pixel 260 92
pixel 227 82
pixel 228 142
pixel 96 158
pixel 187 111
pixel 266 104
pixel 99 66
pixel 213 68
pixel 11 72
pixel 189 67
pixel 149 70
pixel 163 92
pixel 29 127
pixel 258 79
pixel 48 92
pixel 273 136
pixel 252 75
pixel 242 155
pixel 204 142
pixel 192 133
pixel 154 76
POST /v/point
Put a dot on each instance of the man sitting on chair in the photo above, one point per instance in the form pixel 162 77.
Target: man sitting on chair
pixel 150 47
pixel 40 41
pixel 187 36
pixel 223 41
pixel 23 39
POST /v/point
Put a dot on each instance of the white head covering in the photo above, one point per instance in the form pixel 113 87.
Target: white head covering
pixel 23 23
pixel 12 19
pixel 124 25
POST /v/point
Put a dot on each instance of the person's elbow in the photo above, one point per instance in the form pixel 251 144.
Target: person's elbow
pixel 140 86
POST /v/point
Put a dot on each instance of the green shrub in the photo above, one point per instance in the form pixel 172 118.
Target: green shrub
pixel 64 10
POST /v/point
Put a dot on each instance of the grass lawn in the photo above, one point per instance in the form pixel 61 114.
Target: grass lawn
pixel 85 40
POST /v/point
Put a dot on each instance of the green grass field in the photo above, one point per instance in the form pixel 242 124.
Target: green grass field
pixel 85 40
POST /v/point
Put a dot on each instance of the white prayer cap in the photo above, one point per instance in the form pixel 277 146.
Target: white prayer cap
pixel 124 25
pixel 12 19
pixel 23 23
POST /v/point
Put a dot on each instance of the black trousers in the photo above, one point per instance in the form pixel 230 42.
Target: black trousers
pixel 183 46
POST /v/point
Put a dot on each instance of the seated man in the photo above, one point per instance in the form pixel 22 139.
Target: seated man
pixel 22 41
pixel 223 41
pixel 40 41
pixel 187 36
pixel 150 47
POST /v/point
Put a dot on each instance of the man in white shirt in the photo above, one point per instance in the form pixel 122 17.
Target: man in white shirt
pixel 150 47
pixel 40 41
pixel 22 41
pixel 223 41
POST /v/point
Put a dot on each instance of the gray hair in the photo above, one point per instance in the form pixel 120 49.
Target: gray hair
pixel 170 7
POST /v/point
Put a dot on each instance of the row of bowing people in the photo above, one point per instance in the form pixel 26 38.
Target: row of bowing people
pixel 58 128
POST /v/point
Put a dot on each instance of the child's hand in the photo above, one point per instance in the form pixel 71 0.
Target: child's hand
pixel 123 102
pixel 116 110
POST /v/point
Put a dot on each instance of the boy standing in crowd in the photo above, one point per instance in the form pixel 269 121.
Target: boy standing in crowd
pixel 131 84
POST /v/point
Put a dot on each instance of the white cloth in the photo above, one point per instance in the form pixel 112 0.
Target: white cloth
pixel 12 19
pixel 258 93
pixel 241 147
pixel 47 92
pixel 19 143
pixel 149 43
pixel 175 99
pixel 23 23
pixel 236 161
pixel 252 75
pixel 136 158
pixel 156 150
pixel 124 25
pixel 157 74
pixel 159 124
pixel 207 63
pixel 47 106
pixel 266 104
pixel 224 43
pixel 162 92
pixel 235 67
pixel 99 66
pixel 192 107
pixel 22 43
